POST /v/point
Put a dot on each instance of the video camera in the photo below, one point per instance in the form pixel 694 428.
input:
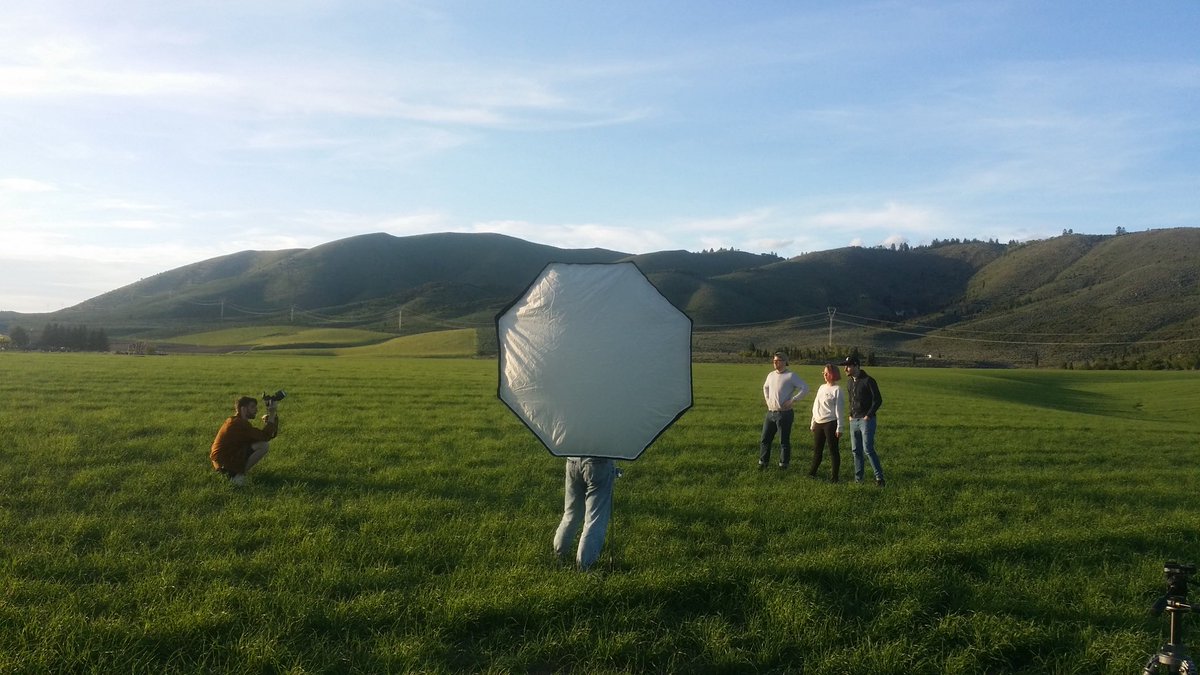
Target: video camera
pixel 1177 575
pixel 274 398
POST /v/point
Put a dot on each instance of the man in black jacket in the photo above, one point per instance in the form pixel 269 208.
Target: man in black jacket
pixel 864 401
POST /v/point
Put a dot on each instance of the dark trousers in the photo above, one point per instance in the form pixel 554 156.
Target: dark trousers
pixel 825 432
pixel 781 422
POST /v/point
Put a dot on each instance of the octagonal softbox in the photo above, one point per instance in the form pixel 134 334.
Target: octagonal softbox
pixel 594 360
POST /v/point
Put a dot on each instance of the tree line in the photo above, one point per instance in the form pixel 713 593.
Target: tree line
pixel 56 337
pixel 822 354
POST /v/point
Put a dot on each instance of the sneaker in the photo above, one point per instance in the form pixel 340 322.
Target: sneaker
pixel 782 466
pixel 762 465
pixel 879 482
pixel 238 480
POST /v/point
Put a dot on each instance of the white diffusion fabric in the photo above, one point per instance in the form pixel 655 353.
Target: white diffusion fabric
pixel 594 360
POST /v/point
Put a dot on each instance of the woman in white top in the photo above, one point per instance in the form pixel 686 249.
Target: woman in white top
pixel 826 422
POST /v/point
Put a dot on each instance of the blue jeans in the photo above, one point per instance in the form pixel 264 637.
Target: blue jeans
pixel 780 421
pixel 587 499
pixel 862 439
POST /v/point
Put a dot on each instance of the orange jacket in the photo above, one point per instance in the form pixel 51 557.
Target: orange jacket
pixel 231 447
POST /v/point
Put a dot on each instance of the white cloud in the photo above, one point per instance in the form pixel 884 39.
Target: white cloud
pixel 403 145
pixel 783 247
pixel 586 235
pixel 25 185
pixel 142 225
pixel 749 220
pixel 117 204
pixel 26 82
pixel 415 223
pixel 891 216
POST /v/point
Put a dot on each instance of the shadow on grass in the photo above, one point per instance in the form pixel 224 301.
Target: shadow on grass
pixel 1054 395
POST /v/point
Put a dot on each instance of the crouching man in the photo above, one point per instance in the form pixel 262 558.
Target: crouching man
pixel 239 445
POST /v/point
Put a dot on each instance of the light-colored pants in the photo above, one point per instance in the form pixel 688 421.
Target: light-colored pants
pixel 587 499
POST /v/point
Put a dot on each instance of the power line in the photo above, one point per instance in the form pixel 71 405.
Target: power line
pixel 954 329
pixel 1059 343
pixel 818 318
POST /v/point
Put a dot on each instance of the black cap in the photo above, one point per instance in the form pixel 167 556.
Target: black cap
pixel 850 361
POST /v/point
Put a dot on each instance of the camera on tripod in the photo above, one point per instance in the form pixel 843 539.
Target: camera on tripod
pixel 1173 657
pixel 274 398
pixel 1177 575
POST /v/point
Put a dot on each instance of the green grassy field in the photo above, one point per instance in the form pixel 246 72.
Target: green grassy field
pixel 269 337
pixel 335 342
pixel 402 523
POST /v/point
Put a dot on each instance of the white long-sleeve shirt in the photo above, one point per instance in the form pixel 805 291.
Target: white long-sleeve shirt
pixel 783 388
pixel 827 406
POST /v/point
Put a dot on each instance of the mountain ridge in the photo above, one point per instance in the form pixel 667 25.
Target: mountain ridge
pixel 1142 290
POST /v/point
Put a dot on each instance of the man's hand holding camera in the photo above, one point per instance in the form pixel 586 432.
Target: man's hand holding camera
pixel 272 401
pixel 272 411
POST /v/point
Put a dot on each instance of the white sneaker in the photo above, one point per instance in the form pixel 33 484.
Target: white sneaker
pixel 238 480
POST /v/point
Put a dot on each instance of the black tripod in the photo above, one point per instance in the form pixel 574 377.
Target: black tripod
pixel 1173 657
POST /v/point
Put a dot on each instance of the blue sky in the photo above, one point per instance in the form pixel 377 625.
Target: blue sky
pixel 136 137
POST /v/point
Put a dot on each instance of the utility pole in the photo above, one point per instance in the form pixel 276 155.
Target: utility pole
pixel 832 311
pixel 291 284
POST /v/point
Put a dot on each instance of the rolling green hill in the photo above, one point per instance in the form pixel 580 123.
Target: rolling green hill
pixel 1087 290
pixel 1074 298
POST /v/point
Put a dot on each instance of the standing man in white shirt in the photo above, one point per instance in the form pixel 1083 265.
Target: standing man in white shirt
pixel 781 391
